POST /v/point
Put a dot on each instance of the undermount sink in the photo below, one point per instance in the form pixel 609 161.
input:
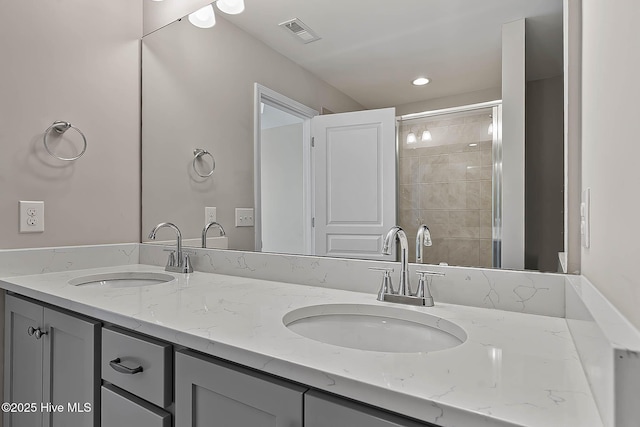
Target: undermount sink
pixel 128 279
pixel 375 328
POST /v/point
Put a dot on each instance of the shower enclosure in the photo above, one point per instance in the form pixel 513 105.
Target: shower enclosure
pixel 449 178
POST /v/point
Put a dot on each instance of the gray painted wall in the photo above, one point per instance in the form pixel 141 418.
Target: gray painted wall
pixel 610 149
pixel 76 61
pixel 544 177
pixel 282 188
pixel 468 98
pixel 513 112
pixel 198 92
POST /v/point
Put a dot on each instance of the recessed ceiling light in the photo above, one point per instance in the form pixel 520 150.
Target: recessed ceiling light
pixel 420 81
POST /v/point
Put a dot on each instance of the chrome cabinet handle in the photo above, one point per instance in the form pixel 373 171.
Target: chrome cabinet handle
pixel 39 333
pixel 36 331
pixel 115 364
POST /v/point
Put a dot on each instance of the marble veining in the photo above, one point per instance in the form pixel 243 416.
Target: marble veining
pixel 514 369
pixel 15 262
pixel 520 291
pixel 609 349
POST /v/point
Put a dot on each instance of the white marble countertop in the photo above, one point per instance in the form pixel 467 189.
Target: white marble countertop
pixel 513 370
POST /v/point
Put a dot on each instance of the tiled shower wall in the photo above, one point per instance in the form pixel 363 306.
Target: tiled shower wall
pixel 446 184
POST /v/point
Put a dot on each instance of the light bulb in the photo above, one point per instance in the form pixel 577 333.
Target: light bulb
pixel 411 138
pixel 490 130
pixel 203 18
pixel 426 136
pixel 420 81
pixel 232 7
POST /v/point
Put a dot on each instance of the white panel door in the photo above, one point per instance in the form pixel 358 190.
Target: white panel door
pixel 354 161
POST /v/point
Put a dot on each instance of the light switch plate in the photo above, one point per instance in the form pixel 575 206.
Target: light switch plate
pixel 31 217
pixel 244 217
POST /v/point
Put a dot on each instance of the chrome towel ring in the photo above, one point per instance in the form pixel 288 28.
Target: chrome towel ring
pixel 61 127
pixel 197 154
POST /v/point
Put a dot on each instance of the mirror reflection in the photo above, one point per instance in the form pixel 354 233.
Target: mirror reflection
pixel 248 95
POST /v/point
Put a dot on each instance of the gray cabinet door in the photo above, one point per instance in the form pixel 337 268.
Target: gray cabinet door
pixel 22 361
pixel 71 369
pixel 212 393
pixel 323 410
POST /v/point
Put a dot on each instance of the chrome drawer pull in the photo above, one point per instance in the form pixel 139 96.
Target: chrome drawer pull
pixel 115 364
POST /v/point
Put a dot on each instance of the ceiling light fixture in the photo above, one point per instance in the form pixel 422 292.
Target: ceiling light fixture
pixel 421 81
pixel 203 18
pixel 232 7
pixel 426 136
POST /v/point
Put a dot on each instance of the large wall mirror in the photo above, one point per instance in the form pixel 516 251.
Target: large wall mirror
pixel 310 137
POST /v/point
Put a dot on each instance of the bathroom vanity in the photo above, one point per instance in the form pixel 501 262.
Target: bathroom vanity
pixel 217 346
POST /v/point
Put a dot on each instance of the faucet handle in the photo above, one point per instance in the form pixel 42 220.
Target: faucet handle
pixel 387 286
pixel 186 264
pixel 423 273
pixel 171 261
pixel 424 282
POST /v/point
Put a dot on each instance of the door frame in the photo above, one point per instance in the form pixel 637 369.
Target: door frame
pixel 263 94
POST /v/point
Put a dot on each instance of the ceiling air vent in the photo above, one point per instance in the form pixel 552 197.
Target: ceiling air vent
pixel 299 30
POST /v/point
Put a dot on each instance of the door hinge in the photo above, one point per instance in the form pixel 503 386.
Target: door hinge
pixel 313 141
pixel 313 222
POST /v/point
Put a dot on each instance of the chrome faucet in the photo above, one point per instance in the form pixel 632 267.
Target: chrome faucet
pixel 206 229
pixel 422 296
pixel 423 238
pixel 399 234
pixel 178 261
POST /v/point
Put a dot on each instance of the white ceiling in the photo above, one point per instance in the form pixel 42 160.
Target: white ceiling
pixel 372 49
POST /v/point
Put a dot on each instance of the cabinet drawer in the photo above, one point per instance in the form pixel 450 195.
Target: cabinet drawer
pixel 123 353
pixel 121 409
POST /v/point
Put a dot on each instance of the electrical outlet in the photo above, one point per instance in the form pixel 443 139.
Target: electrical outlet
pixel 244 217
pixel 31 217
pixel 210 215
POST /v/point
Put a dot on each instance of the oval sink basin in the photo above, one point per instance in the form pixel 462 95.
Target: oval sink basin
pixel 129 279
pixel 375 328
